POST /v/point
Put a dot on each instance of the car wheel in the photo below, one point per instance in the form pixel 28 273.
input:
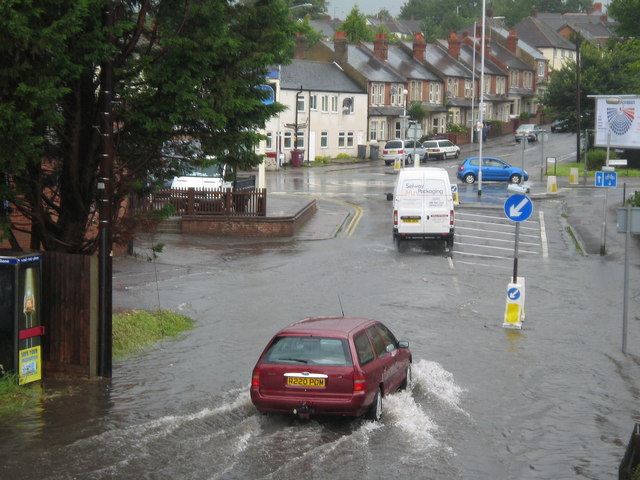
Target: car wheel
pixel 409 160
pixel 515 178
pixel 375 410
pixel 457 154
pixel 469 178
pixel 408 379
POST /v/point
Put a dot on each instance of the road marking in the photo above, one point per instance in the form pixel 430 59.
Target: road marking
pixel 543 237
pixel 351 227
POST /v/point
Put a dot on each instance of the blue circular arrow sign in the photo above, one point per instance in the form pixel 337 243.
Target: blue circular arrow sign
pixel 518 207
pixel 513 293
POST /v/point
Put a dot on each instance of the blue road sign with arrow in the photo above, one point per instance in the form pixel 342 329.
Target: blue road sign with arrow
pixel 518 207
pixel 513 293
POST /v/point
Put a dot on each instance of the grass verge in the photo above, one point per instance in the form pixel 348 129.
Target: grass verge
pixel 135 330
pixel 564 170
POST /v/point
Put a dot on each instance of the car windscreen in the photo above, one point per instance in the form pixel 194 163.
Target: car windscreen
pixel 307 350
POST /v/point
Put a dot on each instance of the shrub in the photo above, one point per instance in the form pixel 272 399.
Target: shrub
pixel 343 156
pixel 597 158
pixel 455 128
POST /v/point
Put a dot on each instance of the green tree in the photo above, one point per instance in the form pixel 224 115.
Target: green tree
pixel 627 14
pixel 182 69
pixel 613 69
pixel 356 28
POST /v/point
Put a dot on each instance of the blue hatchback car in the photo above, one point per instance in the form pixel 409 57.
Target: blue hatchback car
pixel 493 169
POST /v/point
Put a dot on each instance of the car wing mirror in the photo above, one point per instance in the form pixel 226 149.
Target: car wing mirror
pixel 403 344
pixel 389 196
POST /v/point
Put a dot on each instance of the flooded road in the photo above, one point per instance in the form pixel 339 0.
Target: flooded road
pixel 555 400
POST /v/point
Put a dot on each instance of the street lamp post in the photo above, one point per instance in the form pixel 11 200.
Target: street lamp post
pixel 481 105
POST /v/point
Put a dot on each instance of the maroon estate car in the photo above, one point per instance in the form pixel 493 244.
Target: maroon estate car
pixel 330 366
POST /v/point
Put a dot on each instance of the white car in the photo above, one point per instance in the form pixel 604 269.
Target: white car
pixel 403 150
pixel 441 149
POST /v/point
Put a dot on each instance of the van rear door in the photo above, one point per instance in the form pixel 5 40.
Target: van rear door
pixel 424 205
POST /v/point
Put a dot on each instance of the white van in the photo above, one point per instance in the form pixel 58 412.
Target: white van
pixel 423 205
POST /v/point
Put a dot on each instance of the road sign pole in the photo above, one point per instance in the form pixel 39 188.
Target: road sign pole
pixel 604 225
pixel 515 254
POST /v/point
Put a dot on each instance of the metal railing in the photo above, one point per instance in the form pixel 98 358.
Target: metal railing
pixel 189 201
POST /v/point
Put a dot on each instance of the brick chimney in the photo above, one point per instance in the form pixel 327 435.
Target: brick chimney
pixel 381 47
pixel 419 46
pixel 340 46
pixel 597 8
pixel 454 45
pixel 512 41
pixel 301 46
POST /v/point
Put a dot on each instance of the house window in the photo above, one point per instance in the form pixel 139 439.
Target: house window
pixel 487 83
pixel 324 139
pixel 434 92
pixel 452 87
pixel 373 130
pixel 350 139
pixel 381 90
pixel 416 90
pixel 394 95
pixel 513 78
pixel 468 88
pixel 398 129
pixel 324 103
pixel 269 145
pixel 334 104
pixel 313 102
pixel 301 101
pixel 500 85
pixel 288 140
pixel 377 94
pixel 341 139
pixel 528 79
pixel 541 69
pixel 300 140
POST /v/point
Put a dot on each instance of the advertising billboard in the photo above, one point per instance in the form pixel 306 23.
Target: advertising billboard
pixel 617 124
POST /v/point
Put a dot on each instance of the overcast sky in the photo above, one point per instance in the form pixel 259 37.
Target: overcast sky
pixel 341 8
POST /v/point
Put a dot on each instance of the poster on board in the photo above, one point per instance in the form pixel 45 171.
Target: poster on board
pixel 620 120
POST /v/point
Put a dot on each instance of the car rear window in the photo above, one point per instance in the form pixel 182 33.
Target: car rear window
pixel 304 350
pixel 393 145
pixel 430 144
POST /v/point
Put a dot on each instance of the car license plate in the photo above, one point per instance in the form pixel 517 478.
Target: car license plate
pixel 307 382
pixel 410 220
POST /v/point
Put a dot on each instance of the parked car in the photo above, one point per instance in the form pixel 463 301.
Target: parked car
pixel 528 130
pixel 330 366
pixel 403 150
pixel 493 169
pixel 441 149
pixel 561 125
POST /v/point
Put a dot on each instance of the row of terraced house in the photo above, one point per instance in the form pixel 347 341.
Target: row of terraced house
pixel 350 99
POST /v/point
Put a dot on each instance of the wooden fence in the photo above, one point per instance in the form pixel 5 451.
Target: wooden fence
pixel 70 313
pixel 228 202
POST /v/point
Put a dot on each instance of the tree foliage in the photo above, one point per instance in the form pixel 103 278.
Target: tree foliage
pixel 627 14
pixel 182 69
pixel 356 28
pixel 610 70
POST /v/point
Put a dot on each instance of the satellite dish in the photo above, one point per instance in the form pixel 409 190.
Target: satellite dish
pixel 347 102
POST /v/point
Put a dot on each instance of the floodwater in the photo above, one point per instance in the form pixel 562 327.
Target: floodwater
pixel 554 400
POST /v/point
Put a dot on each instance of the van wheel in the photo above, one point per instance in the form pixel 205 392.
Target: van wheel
pixel 469 178
pixel 409 160
pixel 449 243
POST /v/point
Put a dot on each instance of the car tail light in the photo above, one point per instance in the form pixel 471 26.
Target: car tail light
pixel 460 167
pixel 401 150
pixel 395 217
pixel 359 382
pixel 451 218
pixel 255 378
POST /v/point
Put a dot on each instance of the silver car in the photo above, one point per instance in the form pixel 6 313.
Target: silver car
pixel 528 130
pixel 403 150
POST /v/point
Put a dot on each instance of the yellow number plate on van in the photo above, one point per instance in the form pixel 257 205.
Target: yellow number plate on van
pixel 410 219
pixel 307 382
